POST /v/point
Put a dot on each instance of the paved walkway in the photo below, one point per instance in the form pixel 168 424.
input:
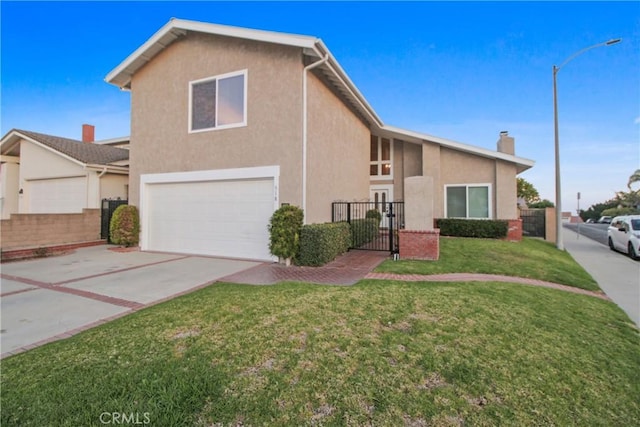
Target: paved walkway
pixel 347 269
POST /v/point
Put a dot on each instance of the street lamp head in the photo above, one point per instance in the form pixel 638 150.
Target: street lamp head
pixel 613 41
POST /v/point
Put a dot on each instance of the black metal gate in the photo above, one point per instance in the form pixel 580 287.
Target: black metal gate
pixel 533 222
pixel 374 225
pixel 108 207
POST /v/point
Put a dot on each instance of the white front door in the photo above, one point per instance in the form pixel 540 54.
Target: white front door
pixel 381 195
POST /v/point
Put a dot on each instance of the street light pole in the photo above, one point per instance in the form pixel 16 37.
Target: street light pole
pixel 559 239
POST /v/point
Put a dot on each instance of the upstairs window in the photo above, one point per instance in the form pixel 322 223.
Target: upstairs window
pixel 468 201
pixel 218 102
pixel 380 158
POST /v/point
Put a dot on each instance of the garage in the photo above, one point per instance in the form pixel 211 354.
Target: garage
pixel 60 195
pixel 218 213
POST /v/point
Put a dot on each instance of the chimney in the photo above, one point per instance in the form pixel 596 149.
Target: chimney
pixel 506 144
pixel 88 133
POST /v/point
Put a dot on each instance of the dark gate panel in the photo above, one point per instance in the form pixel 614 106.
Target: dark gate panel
pixel 108 207
pixel 374 225
pixel 533 222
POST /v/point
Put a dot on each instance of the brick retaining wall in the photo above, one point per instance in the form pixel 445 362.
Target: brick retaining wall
pixel 422 245
pixel 25 231
pixel 514 234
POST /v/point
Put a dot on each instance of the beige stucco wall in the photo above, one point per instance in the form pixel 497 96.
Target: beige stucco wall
pixel 338 153
pixel 160 141
pixel 506 192
pixel 448 167
pixel 431 166
pixel 9 180
pixel 113 186
pixel 411 165
pixel 462 168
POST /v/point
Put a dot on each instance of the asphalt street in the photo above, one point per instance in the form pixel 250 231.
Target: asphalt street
pixel 597 232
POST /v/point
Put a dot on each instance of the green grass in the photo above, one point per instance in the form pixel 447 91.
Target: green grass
pixel 378 353
pixel 530 258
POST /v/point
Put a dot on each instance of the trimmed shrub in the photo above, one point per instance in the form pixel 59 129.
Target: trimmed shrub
pixel 124 228
pixel 284 230
pixel 363 231
pixel 482 228
pixel 374 213
pixel 322 243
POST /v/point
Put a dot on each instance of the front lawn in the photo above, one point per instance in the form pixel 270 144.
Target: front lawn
pixel 378 353
pixel 530 258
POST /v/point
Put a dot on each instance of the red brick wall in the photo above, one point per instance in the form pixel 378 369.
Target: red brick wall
pixel 515 230
pixel 424 245
pixel 25 231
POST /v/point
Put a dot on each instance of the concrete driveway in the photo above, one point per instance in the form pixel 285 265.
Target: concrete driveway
pixel 47 299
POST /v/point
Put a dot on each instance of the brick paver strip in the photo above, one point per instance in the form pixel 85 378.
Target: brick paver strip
pixel 20 291
pixel 347 269
pixel 78 292
pixel 476 277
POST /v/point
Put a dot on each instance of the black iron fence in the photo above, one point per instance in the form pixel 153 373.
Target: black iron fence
pixel 374 225
pixel 108 207
pixel 533 222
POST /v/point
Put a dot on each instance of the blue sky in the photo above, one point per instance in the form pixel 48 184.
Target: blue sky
pixel 457 70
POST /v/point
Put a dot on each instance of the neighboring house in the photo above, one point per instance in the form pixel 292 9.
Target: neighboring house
pixel 47 174
pixel 229 123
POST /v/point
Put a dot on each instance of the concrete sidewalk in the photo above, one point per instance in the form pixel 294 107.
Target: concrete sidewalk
pixel 617 274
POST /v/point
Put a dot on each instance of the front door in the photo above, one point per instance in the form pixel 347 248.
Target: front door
pixel 381 196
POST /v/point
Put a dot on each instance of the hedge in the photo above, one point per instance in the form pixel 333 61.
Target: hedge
pixel 363 231
pixel 482 228
pixel 322 243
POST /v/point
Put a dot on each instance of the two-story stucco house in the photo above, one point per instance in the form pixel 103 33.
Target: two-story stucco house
pixel 229 123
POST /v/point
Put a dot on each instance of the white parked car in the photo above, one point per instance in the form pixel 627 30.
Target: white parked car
pixel 624 235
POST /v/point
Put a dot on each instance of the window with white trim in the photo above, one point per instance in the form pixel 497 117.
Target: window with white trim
pixel 380 158
pixel 218 102
pixel 468 201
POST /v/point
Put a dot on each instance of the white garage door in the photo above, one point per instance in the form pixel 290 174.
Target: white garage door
pixel 62 195
pixel 218 217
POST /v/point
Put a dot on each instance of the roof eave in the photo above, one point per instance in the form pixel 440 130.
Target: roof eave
pixel 111 168
pixel 176 28
pixel 522 164
pixel 351 89
pixel 46 147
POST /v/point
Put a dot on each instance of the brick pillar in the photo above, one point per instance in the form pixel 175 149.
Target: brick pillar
pixel 514 234
pixel 422 245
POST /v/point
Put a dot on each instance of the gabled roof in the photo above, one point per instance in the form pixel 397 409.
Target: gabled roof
pixel 312 47
pixel 316 50
pixel 177 28
pixel 521 163
pixel 86 153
